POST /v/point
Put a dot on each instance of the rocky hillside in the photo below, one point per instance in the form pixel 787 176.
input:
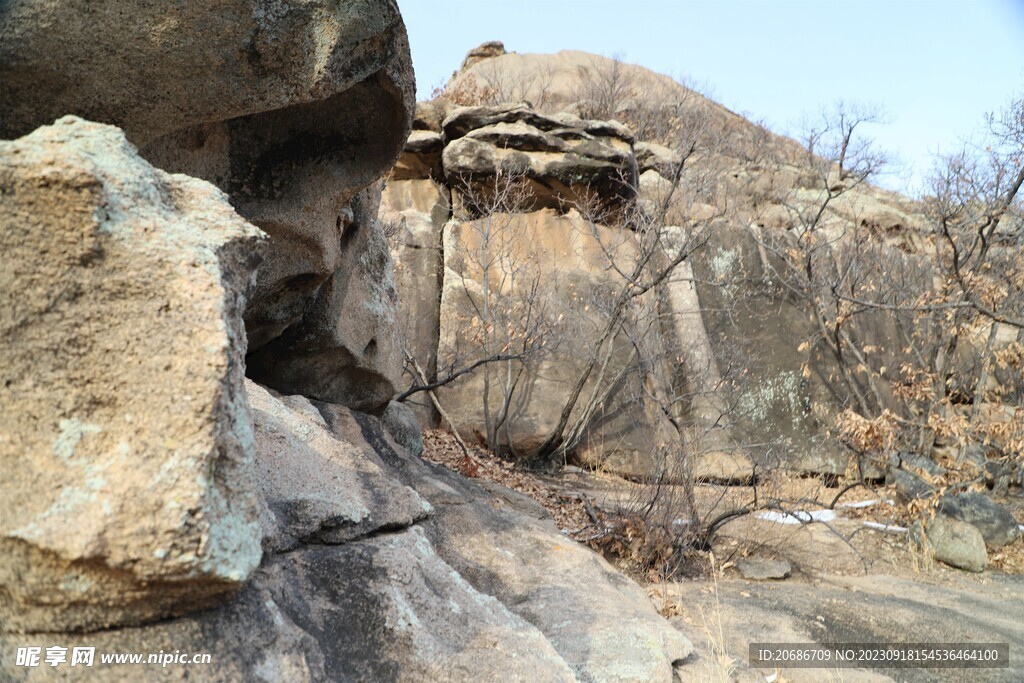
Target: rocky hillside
pixel 600 267
pixel 723 184
pixel 242 267
pixel 200 343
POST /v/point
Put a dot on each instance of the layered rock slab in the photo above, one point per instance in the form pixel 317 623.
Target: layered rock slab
pixel 562 160
pixel 125 437
pixel 384 608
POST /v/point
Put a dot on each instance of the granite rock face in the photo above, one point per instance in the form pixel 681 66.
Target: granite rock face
pixel 547 268
pixel 157 69
pixel 125 438
pixel 384 608
pixel 315 488
pixel 292 109
pixel 346 348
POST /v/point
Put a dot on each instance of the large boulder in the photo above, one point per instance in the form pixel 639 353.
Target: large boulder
pixel 125 438
pixel 754 322
pixel 159 68
pixel 383 608
pixel 550 271
pixel 997 525
pixel 565 161
pixel 421 157
pixel 291 109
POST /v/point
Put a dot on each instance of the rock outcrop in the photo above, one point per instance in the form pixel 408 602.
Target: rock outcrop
pixel 744 196
pixel 500 209
pixel 379 566
pixel 125 436
pixel 565 160
pixel 158 497
pixel 598 621
pixel 550 269
pixel 292 110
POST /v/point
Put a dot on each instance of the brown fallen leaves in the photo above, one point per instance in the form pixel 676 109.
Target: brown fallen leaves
pixel 568 509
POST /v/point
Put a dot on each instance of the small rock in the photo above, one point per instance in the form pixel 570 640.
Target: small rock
pixel 733 467
pixel 997 526
pixel 909 486
pixel 763 569
pixel 957 543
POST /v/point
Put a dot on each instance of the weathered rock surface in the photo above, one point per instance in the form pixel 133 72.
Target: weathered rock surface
pixel 997 526
pixel 293 539
pixel 125 438
pixel 715 455
pixel 484 587
pixel 384 608
pixel 316 488
pixel 548 268
pixel 401 423
pixel 956 543
pixel 876 608
pixel 601 623
pixel 753 323
pixel 303 107
pixel 413 213
pixel 766 186
pixel 566 160
pixel 346 349
pixel 421 157
pixel 159 69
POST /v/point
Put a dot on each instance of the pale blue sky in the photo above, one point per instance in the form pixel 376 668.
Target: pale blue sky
pixel 936 67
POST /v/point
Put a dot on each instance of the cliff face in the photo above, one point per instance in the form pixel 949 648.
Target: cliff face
pixel 228 228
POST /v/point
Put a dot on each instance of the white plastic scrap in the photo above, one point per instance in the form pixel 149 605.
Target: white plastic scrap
pixel 887 528
pixel 866 503
pixel 797 516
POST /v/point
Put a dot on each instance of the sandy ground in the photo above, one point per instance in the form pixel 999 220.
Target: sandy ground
pixel 721 618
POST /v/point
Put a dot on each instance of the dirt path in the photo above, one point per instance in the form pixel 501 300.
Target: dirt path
pixel 727 616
